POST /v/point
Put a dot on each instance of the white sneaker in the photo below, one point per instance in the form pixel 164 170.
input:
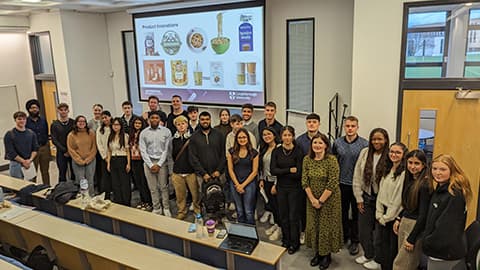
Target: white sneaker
pixel 361 260
pixel 372 265
pixel 167 213
pixel 158 211
pixel 275 235
pixel 191 207
pixel 234 215
pixel 231 207
pixel 272 220
pixel 265 216
pixel 272 229
pixel 302 238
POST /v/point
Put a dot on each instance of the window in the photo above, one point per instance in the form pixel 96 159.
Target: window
pixel 300 60
pixel 440 41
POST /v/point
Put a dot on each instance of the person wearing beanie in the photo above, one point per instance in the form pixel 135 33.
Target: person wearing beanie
pixel 39 126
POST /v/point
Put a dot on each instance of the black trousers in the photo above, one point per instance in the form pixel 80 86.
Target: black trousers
pixel 289 204
pixel 366 226
pixel 106 182
pixel 97 177
pixel 272 204
pixel 350 227
pixel 138 175
pixel 63 163
pixel 122 192
pixel 386 245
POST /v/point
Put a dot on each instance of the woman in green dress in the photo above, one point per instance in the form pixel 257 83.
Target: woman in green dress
pixel 320 179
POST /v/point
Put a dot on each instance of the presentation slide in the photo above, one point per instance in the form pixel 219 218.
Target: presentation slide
pixel 213 57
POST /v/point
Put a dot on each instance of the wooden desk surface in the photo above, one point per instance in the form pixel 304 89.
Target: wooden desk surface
pixel 7 266
pixel 114 248
pixel 264 252
pixel 13 183
pixel 18 217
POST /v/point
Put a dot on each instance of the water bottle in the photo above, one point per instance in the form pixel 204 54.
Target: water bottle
pixel 199 225
pixel 84 192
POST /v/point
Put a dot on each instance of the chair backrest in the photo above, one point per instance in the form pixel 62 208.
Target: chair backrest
pixel 473 244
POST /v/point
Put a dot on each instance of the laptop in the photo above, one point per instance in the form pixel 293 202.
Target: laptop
pixel 242 238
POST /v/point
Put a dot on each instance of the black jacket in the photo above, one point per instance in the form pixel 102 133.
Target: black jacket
pixel 444 235
pixel 207 152
pixel 59 132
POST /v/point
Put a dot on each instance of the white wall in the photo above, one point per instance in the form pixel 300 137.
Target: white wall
pixel 52 23
pixel 333 50
pixel 376 63
pixel 16 66
pixel 116 23
pixel 88 61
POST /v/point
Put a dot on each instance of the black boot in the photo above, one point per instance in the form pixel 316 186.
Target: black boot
pixel 316 260
pixel 325 262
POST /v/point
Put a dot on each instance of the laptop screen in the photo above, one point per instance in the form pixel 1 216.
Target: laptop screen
pixel 242 230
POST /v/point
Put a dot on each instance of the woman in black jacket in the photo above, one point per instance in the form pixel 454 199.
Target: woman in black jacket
pixel 417 189
pixel 444 239
pixel 286 165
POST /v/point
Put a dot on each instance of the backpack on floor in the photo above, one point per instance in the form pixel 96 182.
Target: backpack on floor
pixel 213 198
pixel 39 260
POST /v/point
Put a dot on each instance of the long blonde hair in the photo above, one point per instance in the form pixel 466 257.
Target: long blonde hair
pixel 458 179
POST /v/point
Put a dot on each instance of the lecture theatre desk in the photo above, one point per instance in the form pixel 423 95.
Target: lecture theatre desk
pixel 80 247
pixel 160 232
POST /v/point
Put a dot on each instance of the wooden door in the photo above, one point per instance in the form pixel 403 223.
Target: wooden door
pixel 49 91
pixel 457 127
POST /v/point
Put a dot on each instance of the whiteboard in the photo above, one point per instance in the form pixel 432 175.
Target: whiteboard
pixel 9 104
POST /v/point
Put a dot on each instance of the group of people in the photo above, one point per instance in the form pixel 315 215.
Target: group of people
pixel 400 205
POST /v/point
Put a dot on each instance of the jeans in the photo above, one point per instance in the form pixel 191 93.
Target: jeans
pixel 158 185
pixel 43 158
pixel 87 172
pixel 62 164
pixel 122 192
pixel 350 227
pixel 15 169
pixel 245 203
pixel 289 204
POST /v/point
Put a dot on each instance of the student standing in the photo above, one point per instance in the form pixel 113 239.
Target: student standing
pixel 267 181
pixel 369 169
pixel 270 110
pixel 286 165
pixel 193 124
pixel 138 172
pixel 242 160
pixel 183 176
pixel 59 131
pixel 224 125
pixel 389 206
pixel 96 121
pixel 320 174
pixel 102 134
pixel 39 126
pixel 346 149
pixel 118 163
pixel 248 123
pixel 128 116
pixel 153 105
pixel 21 146
pixel 154 146
pixel 236 124
pixel 177 110
pixel 417 189
pixel 82 148
pixel 444 240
